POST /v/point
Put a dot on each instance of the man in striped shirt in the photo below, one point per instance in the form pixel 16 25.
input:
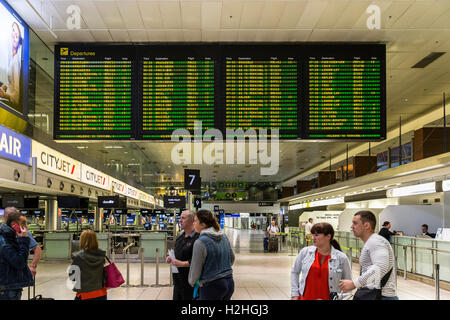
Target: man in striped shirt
pixel 376 259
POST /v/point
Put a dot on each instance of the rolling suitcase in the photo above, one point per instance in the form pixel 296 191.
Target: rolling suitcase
pixel 36 297
pixel 273 244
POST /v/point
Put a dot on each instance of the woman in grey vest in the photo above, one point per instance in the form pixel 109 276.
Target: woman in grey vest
pixel 212 259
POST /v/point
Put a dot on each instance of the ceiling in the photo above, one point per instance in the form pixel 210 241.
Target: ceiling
pixel 411 29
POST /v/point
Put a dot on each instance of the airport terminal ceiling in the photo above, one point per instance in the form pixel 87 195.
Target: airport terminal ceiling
pixel 411 31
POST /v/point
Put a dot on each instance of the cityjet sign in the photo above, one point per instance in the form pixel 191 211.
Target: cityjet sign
pixel 213 153
pixel 55 162
pixel 95 178
pixel 119 187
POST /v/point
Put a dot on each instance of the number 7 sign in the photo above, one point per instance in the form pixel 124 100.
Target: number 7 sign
pixel 192 180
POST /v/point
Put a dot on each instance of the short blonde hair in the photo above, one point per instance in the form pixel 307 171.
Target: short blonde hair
pixel 88 240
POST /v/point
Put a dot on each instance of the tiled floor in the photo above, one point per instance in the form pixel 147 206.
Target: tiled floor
pixel 257 276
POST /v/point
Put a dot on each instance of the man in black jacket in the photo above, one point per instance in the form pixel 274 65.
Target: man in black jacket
pixel 183 256
pixel 14 249
pixel 385 232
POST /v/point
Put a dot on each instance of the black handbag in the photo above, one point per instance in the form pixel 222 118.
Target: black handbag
pixel 371 294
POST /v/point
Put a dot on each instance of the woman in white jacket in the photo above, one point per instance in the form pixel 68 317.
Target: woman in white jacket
pixel 322 266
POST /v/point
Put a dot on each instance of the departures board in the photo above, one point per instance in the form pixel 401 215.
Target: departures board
pixel 145 92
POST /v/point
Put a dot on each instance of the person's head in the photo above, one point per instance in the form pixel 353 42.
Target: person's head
pixel 387 224
pixel 8 211
pixel 310 220
pixel 424 228
pixel 13 220
pixel 88 240
pixel 186 219
pixel 205 219
pixel 16 36
pixel 324 236
pixel 274 223
pixel 363 223
pixel 23 221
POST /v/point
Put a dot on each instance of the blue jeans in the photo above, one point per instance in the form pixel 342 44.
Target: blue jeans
pixel 15 294
pixel 389 298
pixel 220 289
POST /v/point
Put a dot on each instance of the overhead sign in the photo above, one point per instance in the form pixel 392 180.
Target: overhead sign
pixel 15 146
pixel 216 208
pixel 174 202
pixel 55 162
pixel 198 203
pixel 12 201
pixel 265 204
pixel 95 178
pixel 108 202
pixel 192 180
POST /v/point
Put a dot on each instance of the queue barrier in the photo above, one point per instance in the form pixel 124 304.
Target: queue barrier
pixel 58 245
pixel 152 240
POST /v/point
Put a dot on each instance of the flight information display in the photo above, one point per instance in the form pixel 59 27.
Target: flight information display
pixel 316 91
pixel 262 94
pixel 175 94
pixel 344 98
pixel 93 96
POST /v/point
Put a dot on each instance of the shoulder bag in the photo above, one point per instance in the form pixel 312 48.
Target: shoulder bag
pixel 371 294
pixel 114 278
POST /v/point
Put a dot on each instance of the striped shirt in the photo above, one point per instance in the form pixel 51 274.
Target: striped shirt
pixel 376 259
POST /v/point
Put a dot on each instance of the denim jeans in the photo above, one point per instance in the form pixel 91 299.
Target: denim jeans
pixel 15 294
pixel 220 289
pixel 389 298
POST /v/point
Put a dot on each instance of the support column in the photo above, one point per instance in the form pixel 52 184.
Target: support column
pixel 52 221
pixel 98 219
pixel 446 210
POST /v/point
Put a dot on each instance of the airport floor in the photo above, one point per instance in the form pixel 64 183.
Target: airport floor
pixel 257 276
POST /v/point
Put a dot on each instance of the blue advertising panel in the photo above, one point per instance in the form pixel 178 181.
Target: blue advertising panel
pixel 15 146
pixel 14 60
pixel 131 219
pixel 222 221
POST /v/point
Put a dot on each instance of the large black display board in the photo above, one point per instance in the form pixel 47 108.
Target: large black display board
pixel 145 92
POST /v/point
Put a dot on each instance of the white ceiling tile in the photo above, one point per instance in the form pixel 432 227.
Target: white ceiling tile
pixel 101 35
pixel 351 14
pixel 151 15
pixel 271 14
pixel 74 35
pixel 55 13
pixel 156 35
pixel 211 15
pixel 443 21
pixel 332 14
pixel 251 15
pixel 264 35
pixel 192 35
pixel 300 35
pixel 191 13
pixel 229 35
pixel 119 35
pixel 110 14
pixel 414 12
pixel 90 15
pixel 231 15
pixel 210 35
pixel 282 35
pixel 438 9
pixel 138 35
pixel 171 15
pixel 292 13
pixel 175 35
pixel 394 12
pixel 247 35
pixel 131 14
pixel 311 14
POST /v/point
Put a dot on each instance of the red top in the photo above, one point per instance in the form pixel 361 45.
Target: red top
pixel 316 285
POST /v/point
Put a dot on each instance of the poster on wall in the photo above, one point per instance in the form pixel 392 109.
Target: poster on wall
pixel 14 60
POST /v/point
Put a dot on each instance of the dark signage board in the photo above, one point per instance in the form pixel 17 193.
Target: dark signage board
pixel 265 204
pixel 216 208
pixel 12 201
pixel 68 202
pixel 328 91
pixel 158 211
pixel 192 180
pixel 175 202
pixel 197 202
pixel 108 202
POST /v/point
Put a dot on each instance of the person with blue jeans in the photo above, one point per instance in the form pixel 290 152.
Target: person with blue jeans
pixel 14 249
pixel 212 259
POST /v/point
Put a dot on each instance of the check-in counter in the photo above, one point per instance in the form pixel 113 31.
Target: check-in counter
pixel 58 245
pixel 150 240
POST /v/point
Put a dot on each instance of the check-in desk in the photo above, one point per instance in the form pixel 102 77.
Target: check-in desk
pixel 150 240
pixel 58 245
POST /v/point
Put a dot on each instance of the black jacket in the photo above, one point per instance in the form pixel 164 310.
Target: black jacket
pixel 91 267
pixel 384 232
pixel 14 271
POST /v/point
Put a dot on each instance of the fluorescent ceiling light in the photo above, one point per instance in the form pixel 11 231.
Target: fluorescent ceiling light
pixel 412 190
pixel 446 185
pixel 113 147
